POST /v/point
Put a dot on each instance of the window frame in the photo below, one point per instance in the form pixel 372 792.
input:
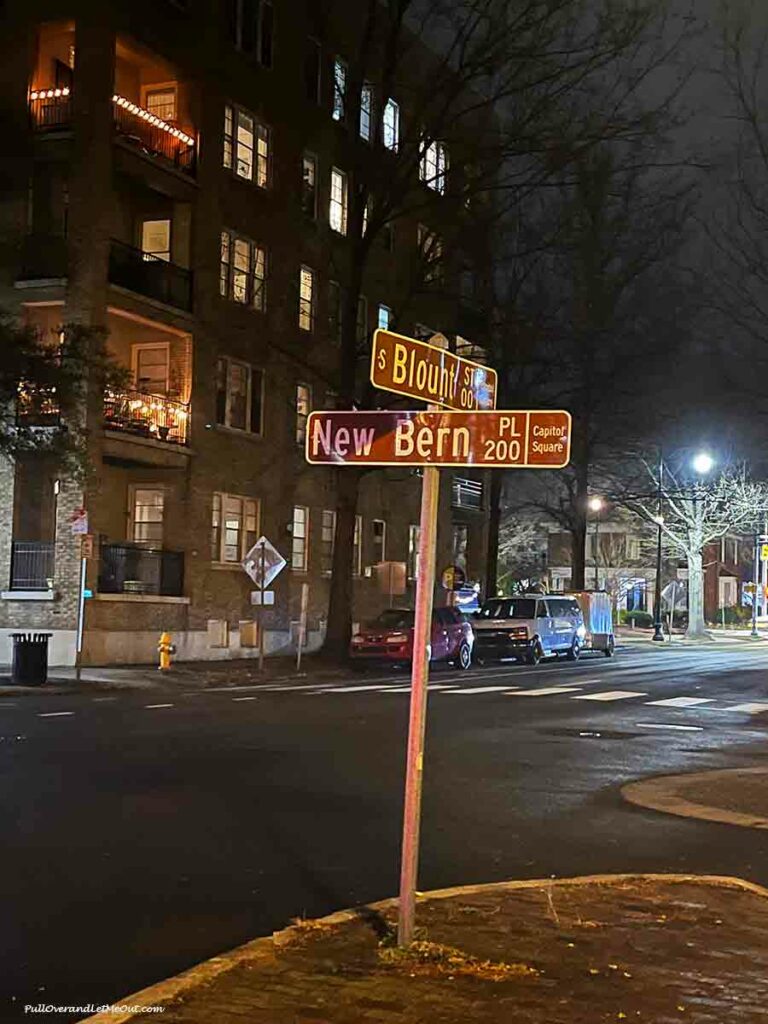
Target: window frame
pixel 338 202
pixel 340 82
pixel 327 546
pixel 255 281
pixel 302 417
pixel 133 489
pixel 251 369
pixel 383 543
pixel 357 546
pixel 365 126
pixel 218 529
pixel 309 158
pixel 305 539
pixel 390 126
pixel 383 326
pixel 260 148
pixel 412 561
pixel 433 165
pixel 335 315
pixel 307 307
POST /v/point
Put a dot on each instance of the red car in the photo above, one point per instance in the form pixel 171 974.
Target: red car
pixel 389 638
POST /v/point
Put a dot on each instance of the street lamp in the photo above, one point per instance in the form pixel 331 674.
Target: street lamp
pixel 595 504
pixel 703 463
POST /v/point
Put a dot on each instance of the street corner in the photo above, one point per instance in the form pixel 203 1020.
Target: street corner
pixel 731 796
pixel 612 947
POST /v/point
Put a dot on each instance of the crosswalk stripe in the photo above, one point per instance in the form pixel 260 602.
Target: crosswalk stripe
pixel 483 689
pixel 545 691
pixel 680 702
pixel 753 708
pixel 609 695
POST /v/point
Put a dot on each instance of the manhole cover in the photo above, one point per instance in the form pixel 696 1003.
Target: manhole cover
pixel 591 734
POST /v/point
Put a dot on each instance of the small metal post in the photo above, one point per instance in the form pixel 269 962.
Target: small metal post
pixel 756 579
pixel 597 542
pixel 658 626
pixel 261 607
pixel 80 620
pixel 422 636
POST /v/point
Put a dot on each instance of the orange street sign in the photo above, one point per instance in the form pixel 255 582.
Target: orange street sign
pixel 431 374
pixel 516 439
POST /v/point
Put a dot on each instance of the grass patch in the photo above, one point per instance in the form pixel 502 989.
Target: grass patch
pixel 433 959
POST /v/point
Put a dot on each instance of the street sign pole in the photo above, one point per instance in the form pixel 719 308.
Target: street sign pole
pixel 261 608
pixel 422 637
pixel 80 620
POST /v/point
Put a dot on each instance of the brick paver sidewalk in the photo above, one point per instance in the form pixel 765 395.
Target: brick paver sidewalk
pixel 652 949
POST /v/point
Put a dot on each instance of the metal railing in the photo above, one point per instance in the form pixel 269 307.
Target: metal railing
pixel 146 415
pixel 466 493
pixel 134 569
pixel 149 275
pixel 152 135
pixel 51 108
pixel 32 564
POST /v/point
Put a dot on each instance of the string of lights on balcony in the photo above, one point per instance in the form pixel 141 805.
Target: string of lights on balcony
pixel 121 101
pixel 153 119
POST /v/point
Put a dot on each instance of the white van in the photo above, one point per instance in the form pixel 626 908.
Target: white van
pixel 529 628
pixel 598 620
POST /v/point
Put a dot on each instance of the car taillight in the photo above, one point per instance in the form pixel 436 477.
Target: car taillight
pixel 519 633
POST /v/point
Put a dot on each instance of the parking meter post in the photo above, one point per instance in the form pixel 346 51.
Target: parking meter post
pixel 425 582
pixel 80 620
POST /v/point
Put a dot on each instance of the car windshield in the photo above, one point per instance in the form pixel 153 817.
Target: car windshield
pixel 509 608
pixel 394 618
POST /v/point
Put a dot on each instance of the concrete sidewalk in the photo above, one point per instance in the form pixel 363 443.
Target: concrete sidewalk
pixel 734 796
pixel 573 951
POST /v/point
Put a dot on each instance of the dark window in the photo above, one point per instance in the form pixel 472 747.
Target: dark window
pixel 312 64
pixel 251 28
pixel 394 618
pixel 309 185
pixel 518 608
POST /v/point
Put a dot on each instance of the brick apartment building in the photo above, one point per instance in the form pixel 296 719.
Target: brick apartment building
pixel 173 172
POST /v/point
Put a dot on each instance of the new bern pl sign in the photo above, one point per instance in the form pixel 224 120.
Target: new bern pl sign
pixel 486 440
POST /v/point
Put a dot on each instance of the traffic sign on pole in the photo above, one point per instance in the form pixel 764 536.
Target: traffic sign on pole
pixel 432 374
pixel 522 439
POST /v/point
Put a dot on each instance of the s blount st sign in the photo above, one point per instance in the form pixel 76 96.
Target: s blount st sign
pixel 523 439
pixel 418 370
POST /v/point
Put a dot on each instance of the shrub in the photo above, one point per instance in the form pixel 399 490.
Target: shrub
pixel 635 618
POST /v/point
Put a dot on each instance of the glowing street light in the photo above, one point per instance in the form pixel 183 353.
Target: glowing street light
pixel 703 463
pixel 595 503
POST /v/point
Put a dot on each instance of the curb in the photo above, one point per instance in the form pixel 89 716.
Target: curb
pixel 659 794
pixel 162 993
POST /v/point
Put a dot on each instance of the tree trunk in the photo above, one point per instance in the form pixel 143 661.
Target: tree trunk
pixel 579 524
pixel 339 629
pixel 494 521
pixel 696 625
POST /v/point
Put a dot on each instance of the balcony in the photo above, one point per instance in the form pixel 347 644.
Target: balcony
pixel 467 494
pixel 133 569
pixel 32 564
pixel 150 134
pixel 149 275
pixel 145 415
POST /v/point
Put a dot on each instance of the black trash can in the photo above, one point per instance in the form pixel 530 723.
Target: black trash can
pixel 30 658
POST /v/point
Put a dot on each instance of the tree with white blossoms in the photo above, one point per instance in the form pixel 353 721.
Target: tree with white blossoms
pixel 695 513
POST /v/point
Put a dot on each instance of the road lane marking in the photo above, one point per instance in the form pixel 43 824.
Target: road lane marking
pixel 607 695
pixel 55 714
pixel 545 691
pixel 150 706
pixel 102 700
pixel 349 689
pixel 669 725
pixel 236 699
pixel 483 689
pixel 680 702
pixel 753 708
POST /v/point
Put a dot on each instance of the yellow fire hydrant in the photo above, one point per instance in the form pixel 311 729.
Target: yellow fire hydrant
pixel 165 649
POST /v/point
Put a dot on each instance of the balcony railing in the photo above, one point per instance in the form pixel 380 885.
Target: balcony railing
pixel 146 415
pixel 466 493
pixel 149 275
pixel 32 565
pixel 52 108
pixel 133 569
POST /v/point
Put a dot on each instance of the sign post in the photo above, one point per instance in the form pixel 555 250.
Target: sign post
pixel 262 563
pixel 302 639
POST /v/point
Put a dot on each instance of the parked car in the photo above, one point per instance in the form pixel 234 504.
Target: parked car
pixel 529 628
pixel 389 638
pixel 598 620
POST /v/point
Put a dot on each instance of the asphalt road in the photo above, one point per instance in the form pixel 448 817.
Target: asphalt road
pixel 142 834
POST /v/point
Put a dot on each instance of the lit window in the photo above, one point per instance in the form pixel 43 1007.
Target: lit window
pixel 161 102
pixel 391 125
pixel 303 405
pixel 337 211
pixel 234 527
pixel 299 539
pixel 339 89
pixel 413 551
pixel 362 319
pixel 366 112
pixel 357 547
pixel 431 252
pixel 334 312
pixel 367 215
pixel 379 541
pixel 309 185
pixel 460 540
pixel 243 271
pixel 239 395
pixel 384 317
pixel 306 299
pixel 327 536
pixel 246 145
pixel 147 508
pixel 433 166
pixel 156 239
